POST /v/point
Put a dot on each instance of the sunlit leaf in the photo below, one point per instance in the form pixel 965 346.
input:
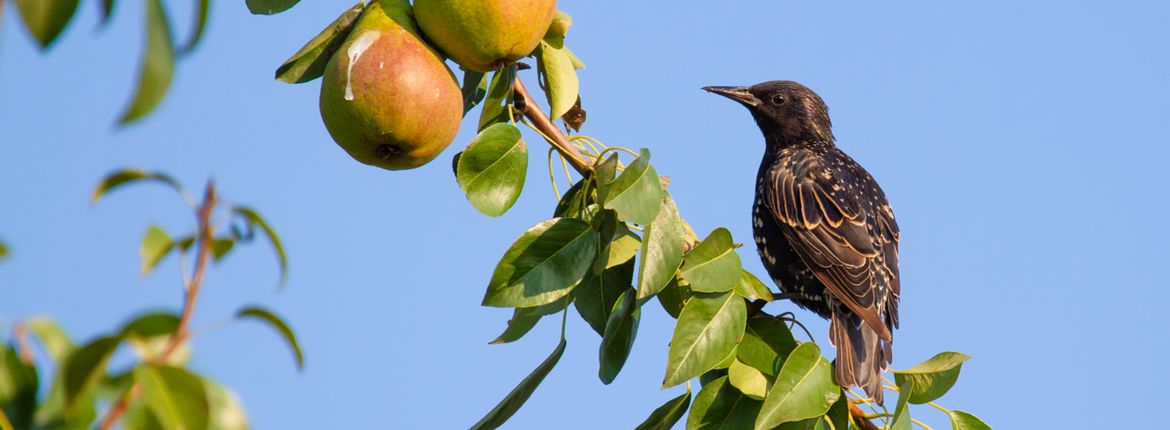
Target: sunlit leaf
pixel 597 295
pixel 51 336
pixel 497 106
pixel 122 177
pixel 719 406
pixel 156 244
pixel 637 194
pixel 665 416
pixel 560 77
pixel 475 86
pixel 46 18
pixel 491 171
pixel 270 7
pixel 225 410
pixel 713 266
pixel 620 330
pixel 933 377
pixel 204 7
pixel 766 343
pixel 309 62
pixel 750 381
pixel 674 297
pixel 149 334
pixel 524 319
pixel 662 250
pixel 515 399
pixel 750 287
pixel 277 323
pixel 543 264
pixel 85 366
pixel 221 246
pixel 158 64
pixel 176 397
pixel 559 26
pixel 707 331
pixel 254 219
pixel 901 419
pixel 964 421
pixel 803 389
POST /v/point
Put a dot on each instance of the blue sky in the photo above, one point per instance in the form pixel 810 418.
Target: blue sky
pixel 1022 145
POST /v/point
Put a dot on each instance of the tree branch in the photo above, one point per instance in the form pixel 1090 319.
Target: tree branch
pixel 543 123
pixel 859 418
pixel 202 254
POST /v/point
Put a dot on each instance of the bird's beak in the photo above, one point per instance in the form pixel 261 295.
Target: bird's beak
pixel 739 94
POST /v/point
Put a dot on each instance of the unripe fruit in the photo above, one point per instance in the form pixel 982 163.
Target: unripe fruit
pixel 483 35
pixel 387 98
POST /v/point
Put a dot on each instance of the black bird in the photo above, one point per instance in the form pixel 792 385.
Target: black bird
pixel 824 229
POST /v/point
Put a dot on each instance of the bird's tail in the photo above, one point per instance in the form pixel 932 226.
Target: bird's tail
pixel 862 355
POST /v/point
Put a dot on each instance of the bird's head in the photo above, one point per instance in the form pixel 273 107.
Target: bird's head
pixel 785 110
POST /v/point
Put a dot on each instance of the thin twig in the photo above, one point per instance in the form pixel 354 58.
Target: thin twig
pixel 202 254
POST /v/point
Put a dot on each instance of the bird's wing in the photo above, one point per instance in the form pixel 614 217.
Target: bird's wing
pixel 840 224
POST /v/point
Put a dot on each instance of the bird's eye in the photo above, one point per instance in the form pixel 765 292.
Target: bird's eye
pixel 778 99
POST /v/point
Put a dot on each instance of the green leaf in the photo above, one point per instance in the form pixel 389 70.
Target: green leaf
pixel 750 287
pixel 139 417
pixel 85 366
pixel 577 63
pixel 156 244
pixel 309 62
pixel 254 219
pixel 620 330
pixel 707 331
pixel 497 106
pixel 838 414
pixel 597 295
pixel 713 266
pixel 475 85
pixel 158 64
pixel 515 399
pixel 221 246
pixel 662 250
pixel 524 319
pixel 18 388
pixel 933 377
pixel 559 26
pixel 560 77
pixel 766 344
pixel 148 334
pixel 3 250
pixel 574 200
pixel 107 9
pixel 204 7
pixel 53 339
pixel 270 7
pixel 902 410
pixel 719 406
pixel 267 317
pixel 804 389
pixel 225 410
pixel 964 421
pixel 674 297
pixel 45 19
pixel 637 194
pixel 176 397
pixel 543 264
pixel 748 380
pixel 492 169
pixel 122 177
pixel 665 416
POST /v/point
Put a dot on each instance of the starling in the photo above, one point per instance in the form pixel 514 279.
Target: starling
pixel 824 229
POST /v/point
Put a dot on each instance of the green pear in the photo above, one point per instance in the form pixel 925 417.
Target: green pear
pixel 387 97
pixel 483 35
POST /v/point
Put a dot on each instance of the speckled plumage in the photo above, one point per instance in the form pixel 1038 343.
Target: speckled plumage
pixel 824 229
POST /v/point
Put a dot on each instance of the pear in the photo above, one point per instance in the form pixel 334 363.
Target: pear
pixel 387 97
pixel 482 35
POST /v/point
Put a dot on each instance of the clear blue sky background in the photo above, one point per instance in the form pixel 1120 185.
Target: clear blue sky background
pixel 1021 143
